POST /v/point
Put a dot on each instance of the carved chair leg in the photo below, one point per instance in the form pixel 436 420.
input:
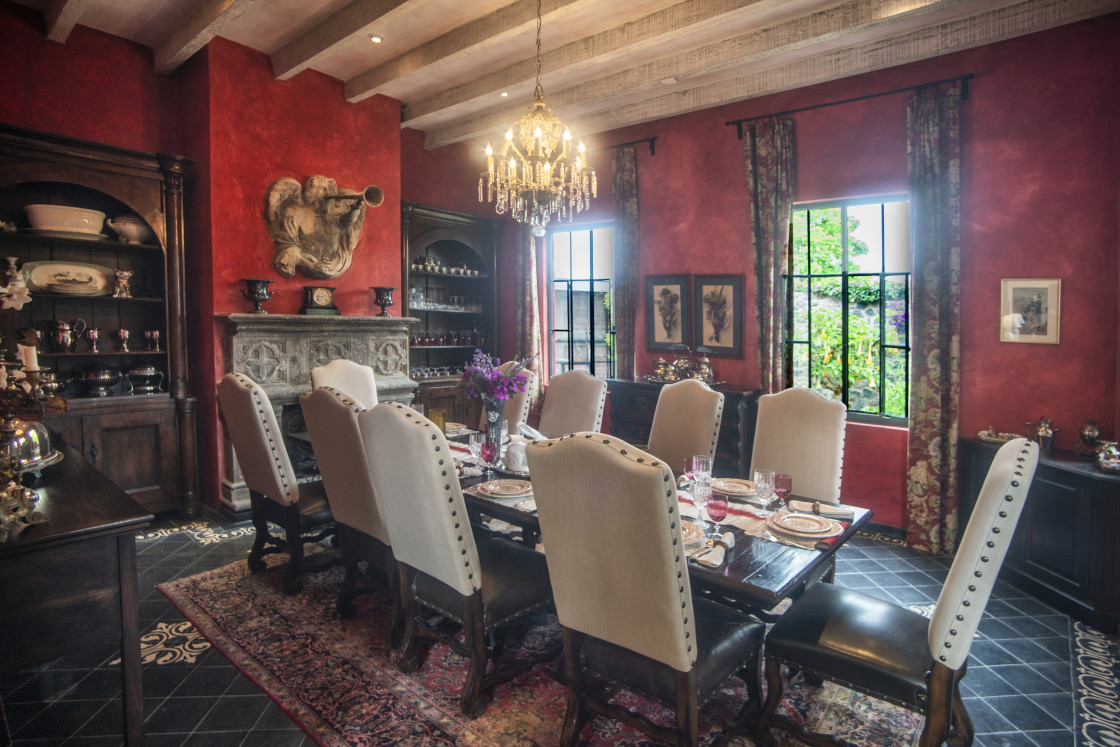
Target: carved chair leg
pixel 962 732
pixel 751 674
pixel 408 660
pixel 292 583
pixel 941 685
pixel 471 702
pixel 576 714
pixel 774 689
pixel 688 709
pixel 396 627
pixel 260 524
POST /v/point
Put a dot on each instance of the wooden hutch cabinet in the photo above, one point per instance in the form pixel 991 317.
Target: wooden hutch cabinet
pixel 632 404
pixel 143 438
pixel 449 267
pixel 1065 549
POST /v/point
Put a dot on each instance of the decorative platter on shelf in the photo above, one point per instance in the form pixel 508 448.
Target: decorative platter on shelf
pixel 993 437
pixel 68 278
pixel 51 233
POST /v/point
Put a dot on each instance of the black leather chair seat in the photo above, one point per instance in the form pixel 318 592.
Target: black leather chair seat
pixel 726 639
pixel 514 582
pixel 313 507
pixel 849 636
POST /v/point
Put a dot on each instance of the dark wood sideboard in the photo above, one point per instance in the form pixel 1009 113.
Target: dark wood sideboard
pixel 1065 551
pixel 70 584
pixel 632 404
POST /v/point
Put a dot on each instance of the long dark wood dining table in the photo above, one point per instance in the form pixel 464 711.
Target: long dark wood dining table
pixel 757 573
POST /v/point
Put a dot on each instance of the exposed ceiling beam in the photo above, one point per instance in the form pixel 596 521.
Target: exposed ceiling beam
pixel 205 21
pixel 693 19
pixel 62 16
pixel 349 24
pixel 587 116
pixel 447 51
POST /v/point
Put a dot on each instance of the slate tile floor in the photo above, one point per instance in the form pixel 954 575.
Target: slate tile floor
pixel 1019 688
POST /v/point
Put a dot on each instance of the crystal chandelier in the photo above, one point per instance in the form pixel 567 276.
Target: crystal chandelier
pixel 537 175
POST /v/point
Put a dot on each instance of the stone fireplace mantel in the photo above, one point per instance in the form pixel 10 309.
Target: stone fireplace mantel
pixel 278 352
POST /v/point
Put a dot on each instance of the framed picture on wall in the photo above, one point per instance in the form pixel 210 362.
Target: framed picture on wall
pixel 717 302
pixel 667 312
pixel 1030 310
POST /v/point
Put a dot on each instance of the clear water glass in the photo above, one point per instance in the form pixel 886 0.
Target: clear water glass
pixel 474 441
pixel 701 494
pixel 764 487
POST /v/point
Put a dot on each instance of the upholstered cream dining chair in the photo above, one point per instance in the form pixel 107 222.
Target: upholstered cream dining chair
pixel 573 402
pixel 274 494
pixel 685 422
pixel 332 424
pixel 800 433
pixel 353 379
pixel 611 523
pixel 891 652
pixel 480 584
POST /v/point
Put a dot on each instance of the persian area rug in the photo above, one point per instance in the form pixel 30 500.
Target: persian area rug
pixel 334 676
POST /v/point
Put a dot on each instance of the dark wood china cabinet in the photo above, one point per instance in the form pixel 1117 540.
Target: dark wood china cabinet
pixel 136 423
pixel 449 268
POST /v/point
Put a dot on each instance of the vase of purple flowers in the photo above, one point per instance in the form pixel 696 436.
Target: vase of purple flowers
pixel 483 378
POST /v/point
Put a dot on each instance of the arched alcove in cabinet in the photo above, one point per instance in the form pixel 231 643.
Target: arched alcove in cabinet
pixel 449 266
pixel 130 409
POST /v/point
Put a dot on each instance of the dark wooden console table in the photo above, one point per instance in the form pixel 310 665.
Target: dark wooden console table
pixel 632 404
pixel 1066 551
pixel 71 584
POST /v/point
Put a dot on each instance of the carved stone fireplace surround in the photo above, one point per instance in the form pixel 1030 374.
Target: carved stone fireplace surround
pixel 278 352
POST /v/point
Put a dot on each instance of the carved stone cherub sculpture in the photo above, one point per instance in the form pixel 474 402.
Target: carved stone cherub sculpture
pixel 314 228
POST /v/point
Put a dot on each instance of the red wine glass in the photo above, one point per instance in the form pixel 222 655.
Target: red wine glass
pixel 488 451
pixel 783 486
pixel 717 507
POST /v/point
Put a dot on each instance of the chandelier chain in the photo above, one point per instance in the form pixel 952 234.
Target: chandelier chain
pixel 538 173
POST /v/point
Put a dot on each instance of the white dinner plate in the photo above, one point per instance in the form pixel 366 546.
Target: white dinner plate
pixel 506 488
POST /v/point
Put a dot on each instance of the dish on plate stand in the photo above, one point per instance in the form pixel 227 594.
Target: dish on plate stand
pixel 68 278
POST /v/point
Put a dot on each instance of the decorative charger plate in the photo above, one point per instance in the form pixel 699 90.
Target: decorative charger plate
pixel 506 488
pixel 502 469
pixel 693 533
pixel 804 525
pixel 68 278
pixel 454 427
pixel 733 486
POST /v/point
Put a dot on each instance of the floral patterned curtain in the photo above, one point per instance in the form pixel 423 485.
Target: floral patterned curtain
pixel 769 149
pixel 528 312
pixel 934 151
pixel 626 293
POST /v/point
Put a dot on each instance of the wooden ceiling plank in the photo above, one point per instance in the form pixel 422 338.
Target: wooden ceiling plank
pixel 62 16
pixel 477 37
pixel 349 24
pixel 812 68
pixel 657 29
pixel 206 20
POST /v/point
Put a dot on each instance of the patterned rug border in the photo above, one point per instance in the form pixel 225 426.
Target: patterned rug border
pixel 1096 682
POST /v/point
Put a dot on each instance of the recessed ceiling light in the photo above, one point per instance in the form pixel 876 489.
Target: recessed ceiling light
pixel 375 38
pixel 505 93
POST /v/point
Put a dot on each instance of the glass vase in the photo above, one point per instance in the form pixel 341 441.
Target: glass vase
pixel 494 410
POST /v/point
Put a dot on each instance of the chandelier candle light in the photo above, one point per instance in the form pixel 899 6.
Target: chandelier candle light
pixel 536 175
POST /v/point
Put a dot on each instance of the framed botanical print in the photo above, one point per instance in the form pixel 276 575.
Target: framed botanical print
pixel 1030 310
pixel 718 305
pixel 667 312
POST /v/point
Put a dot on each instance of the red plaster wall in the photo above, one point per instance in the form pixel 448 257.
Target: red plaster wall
pixel 97 87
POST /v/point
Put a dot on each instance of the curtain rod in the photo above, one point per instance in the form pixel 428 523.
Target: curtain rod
pixel 650 140
pixel 964 96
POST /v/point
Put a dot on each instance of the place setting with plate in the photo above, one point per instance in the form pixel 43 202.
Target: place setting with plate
pixel 518 493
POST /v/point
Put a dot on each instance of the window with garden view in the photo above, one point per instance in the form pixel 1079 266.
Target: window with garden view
pixel 581 265
pixel 847 300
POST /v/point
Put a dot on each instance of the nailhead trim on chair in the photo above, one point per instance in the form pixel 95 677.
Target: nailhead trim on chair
pixel 978 571
pixel 715 429
pixel 341 396
pixel 670 497
pixel 255 391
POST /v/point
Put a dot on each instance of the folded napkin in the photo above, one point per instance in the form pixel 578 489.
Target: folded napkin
pixel 715 556
pixel 832 511
pixel 530 433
